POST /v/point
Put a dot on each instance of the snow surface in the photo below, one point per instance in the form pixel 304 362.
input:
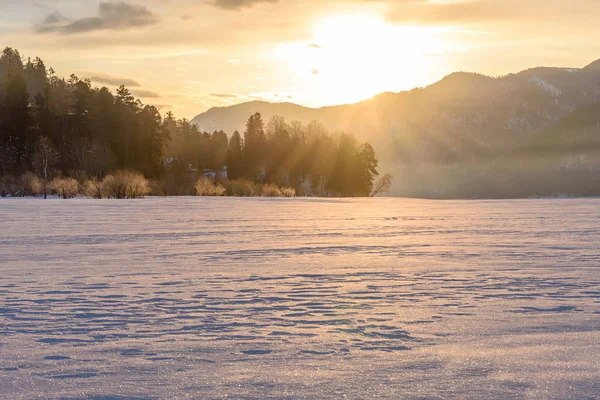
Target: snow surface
pixel 299 299
pixel 546 86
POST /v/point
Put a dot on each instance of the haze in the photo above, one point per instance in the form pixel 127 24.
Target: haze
pixel 188 56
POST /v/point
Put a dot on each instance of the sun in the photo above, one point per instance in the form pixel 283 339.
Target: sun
pixel 354 57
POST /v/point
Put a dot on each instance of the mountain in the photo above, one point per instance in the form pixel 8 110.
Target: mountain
pixel 593 66
pixel 577 133
pixel 439 139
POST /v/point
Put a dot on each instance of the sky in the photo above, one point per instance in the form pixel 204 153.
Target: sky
pixel 190 55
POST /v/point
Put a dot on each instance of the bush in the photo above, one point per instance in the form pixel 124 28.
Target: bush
pixel 8 186
pixel 242 188
pixel 66 188
pixel 157 188
pixel 270 190
pixel 125 185
pixel 27 184
pixel 288 192
pixel 247 188
pixel 206 187
pixel 30 185
pixel 93 188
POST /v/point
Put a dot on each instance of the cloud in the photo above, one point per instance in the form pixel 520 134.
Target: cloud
pixel 225 95
pixel 113 81
pixel 239 4
pixel 170 32
pixel 315 72
pixel 144 93
pixel 55 18
pixel 313 46
pixel 52 22
pixel 111 16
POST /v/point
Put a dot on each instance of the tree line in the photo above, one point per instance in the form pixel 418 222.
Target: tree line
pixel 52 126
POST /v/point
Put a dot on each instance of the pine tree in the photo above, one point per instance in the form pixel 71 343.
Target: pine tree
pixel 234 156
pixel 255 147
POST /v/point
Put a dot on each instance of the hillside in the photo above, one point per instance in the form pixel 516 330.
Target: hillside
pixel 463 115
pixel 461 123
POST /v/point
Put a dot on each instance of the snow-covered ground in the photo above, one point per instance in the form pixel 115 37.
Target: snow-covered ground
pixel 299 299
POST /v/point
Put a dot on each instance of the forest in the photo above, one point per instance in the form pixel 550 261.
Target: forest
pixel 68 137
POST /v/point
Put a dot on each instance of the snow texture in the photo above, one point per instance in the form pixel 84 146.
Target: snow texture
pixel 204 298
pixel 546 86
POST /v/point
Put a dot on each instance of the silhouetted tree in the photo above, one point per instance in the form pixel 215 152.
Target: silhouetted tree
pixel 234 156
pixel 45 160
pixel 255 143
pixel 15 126
pixel 50 124
pixel 366 170
pixel 383 185
pixel 219 145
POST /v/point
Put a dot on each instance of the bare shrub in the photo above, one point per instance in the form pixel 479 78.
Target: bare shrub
pixel 383 185
pixel 30 185
pixel 270 190
pixel 46 158
pixel 157 188
pixel 206 187
pixel 125 185
pixel 288 192
pixel 242 188
pixel 93 188
pixel 139 186
pixel 66 188
pixel 113 187
pixel 9 186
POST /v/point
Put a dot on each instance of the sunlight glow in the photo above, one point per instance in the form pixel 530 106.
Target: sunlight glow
pixel 354 57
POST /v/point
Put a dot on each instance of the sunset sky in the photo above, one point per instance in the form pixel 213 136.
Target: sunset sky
pixel 190 55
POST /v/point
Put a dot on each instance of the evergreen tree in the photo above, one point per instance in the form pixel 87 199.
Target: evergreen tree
pixel 152 137
pixel 219 144
pixel 234 156
pixel 15 126
pixel 255 147
pixel 50 124
pixel 343 177
pixel 366 170
pixel 279 149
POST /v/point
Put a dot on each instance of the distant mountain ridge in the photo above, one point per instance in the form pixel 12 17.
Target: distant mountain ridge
pixel 463 120
pixel 461 84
